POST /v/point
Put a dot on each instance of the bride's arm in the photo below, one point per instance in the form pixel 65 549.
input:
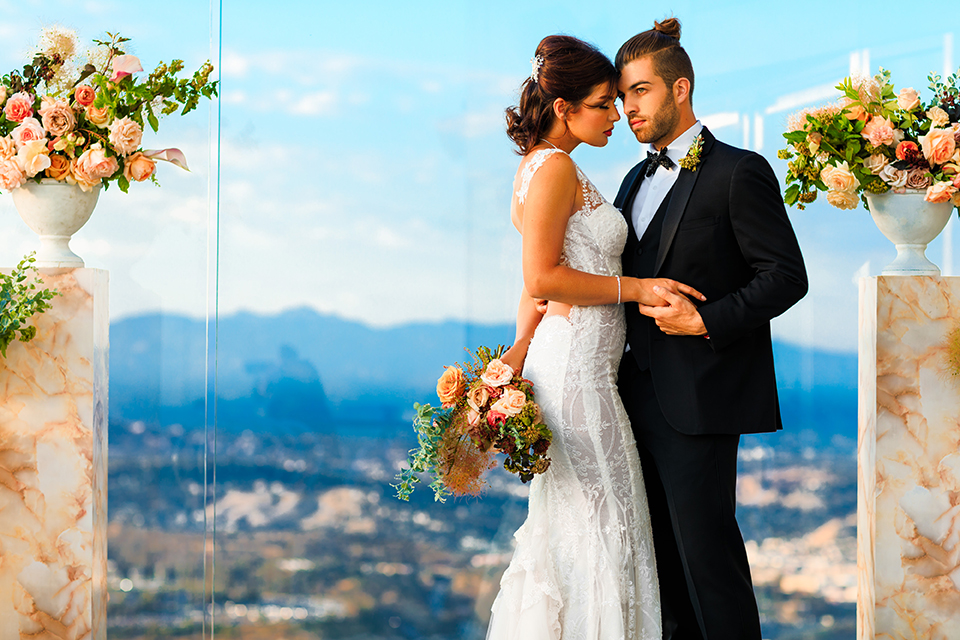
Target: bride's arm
pixel 528 318
pixel 549 204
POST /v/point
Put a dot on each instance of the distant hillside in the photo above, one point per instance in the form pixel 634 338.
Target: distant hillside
pixel 304 369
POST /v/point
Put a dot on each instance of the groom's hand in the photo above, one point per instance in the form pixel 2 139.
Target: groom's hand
pixel 679 316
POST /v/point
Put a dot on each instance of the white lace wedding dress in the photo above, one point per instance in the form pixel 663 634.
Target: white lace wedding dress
pixel 583 568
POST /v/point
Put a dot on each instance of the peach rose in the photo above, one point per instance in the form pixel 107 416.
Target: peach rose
pixel 875 163
pixel 852 111
pixel 938 145
pixel 473 418
pixel 59 167
pixel 8 148
pixel 92 166
pixel 879 131
pixel 478 396
pixel 125 135
pixel 57 116
pixel 11 175
pixel 33 157
pixel 896 178
pixel 511 402
pixel 940 192
pixel 99 117
pixel 839 177
pixel 497 373
pixel 450 386
pixel 138 167
pixel 28 130
pixel 908 99
pixel 938 117
pixel 85 95
pixel 18 107
pixel 843 199
pixel 905 146
pixel 917 179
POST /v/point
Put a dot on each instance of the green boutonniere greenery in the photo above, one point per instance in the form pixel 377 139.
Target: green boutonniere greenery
pixel 692 159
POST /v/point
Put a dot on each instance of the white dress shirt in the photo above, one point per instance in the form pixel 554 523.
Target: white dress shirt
pixel 655 188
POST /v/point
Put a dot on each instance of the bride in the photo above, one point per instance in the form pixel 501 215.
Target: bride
pixel 584 566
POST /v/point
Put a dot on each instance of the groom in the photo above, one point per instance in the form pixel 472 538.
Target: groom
pixel 698 374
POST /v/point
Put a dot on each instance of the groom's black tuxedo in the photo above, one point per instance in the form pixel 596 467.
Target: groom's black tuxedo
pixel 723 230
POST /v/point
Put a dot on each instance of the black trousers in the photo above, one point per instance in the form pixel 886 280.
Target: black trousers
pixel 705 588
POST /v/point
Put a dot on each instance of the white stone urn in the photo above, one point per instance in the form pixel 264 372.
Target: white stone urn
pixel 55 211
pixel 910 223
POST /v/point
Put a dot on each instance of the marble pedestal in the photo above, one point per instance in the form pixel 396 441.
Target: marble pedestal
pixel 908 449
pixel 53 467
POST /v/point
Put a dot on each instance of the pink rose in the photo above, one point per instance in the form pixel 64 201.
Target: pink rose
pixel 908 99
pixel 875 163
pixel 511 402
pixel 27 131
pixel 495 418
pixel 92 166
pixel 497 373
pixel 843 199
pixel 938 145
pixel 839 177
pixel 85 95
pixel 11 175
pixel 57 116
pixel 478 396
pixel 904 147
pixel 125 135
pixel 99 117
pixel 19 106
pixel 33 157
pixel 940 192
pixel 124 66
pixel 138 167
pixel 917 179
pixel 879 131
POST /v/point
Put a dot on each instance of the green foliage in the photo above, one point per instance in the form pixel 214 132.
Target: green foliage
pixel 430 425
pixel 20 299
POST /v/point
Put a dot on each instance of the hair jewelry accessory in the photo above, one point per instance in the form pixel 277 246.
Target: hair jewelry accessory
pixel 536 62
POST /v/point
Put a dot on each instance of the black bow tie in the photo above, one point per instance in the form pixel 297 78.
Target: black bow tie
pixel 655 160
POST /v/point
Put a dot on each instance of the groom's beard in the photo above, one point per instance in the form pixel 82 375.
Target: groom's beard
pixel 660 128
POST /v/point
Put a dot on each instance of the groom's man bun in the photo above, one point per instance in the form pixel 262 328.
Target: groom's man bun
pixel 662 44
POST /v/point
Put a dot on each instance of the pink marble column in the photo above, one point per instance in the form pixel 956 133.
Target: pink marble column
pixel 53 467
pixel 908 450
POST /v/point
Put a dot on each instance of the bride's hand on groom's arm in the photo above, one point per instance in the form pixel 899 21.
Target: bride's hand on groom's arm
pixel 676 315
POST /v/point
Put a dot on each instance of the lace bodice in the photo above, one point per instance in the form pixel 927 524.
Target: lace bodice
pixel 596 233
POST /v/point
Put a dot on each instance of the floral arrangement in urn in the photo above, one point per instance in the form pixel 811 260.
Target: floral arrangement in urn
pixel 874 140
pixel 78 116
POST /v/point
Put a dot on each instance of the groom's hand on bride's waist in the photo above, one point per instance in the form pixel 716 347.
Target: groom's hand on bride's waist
pixel 677 316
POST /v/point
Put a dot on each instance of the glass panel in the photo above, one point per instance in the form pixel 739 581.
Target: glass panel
pixel 158 245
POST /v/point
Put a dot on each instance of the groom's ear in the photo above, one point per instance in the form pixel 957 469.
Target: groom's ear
pixel 681 90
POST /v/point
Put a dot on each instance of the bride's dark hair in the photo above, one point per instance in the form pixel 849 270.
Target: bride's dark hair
pixel 570 69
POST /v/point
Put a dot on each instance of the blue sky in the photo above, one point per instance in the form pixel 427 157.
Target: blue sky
pixel 364 167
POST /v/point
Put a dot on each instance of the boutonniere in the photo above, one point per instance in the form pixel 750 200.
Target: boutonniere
pixel 692 159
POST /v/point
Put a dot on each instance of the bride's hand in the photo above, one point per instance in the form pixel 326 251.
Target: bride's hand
pixel 515 356
pixel 644 294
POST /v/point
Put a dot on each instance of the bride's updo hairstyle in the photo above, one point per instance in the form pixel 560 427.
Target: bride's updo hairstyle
pixel 662 43
pixel 563 67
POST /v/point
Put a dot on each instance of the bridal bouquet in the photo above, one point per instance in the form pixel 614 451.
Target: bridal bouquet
pixel 874 139
pixel 486 408
pixel 79 116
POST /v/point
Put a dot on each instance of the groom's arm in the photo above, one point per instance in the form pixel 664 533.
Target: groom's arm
pixel 768 245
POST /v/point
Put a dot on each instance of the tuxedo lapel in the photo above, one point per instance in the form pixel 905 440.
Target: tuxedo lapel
pixel 628 191
pixel 678 201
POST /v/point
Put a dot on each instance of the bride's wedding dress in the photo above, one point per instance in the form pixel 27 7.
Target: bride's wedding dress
pixel 583 568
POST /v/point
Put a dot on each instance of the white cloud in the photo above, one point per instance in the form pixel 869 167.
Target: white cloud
pixel 314 104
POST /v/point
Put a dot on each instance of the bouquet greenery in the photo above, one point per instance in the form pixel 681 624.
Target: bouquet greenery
pixel 874 140
pixel 486 408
